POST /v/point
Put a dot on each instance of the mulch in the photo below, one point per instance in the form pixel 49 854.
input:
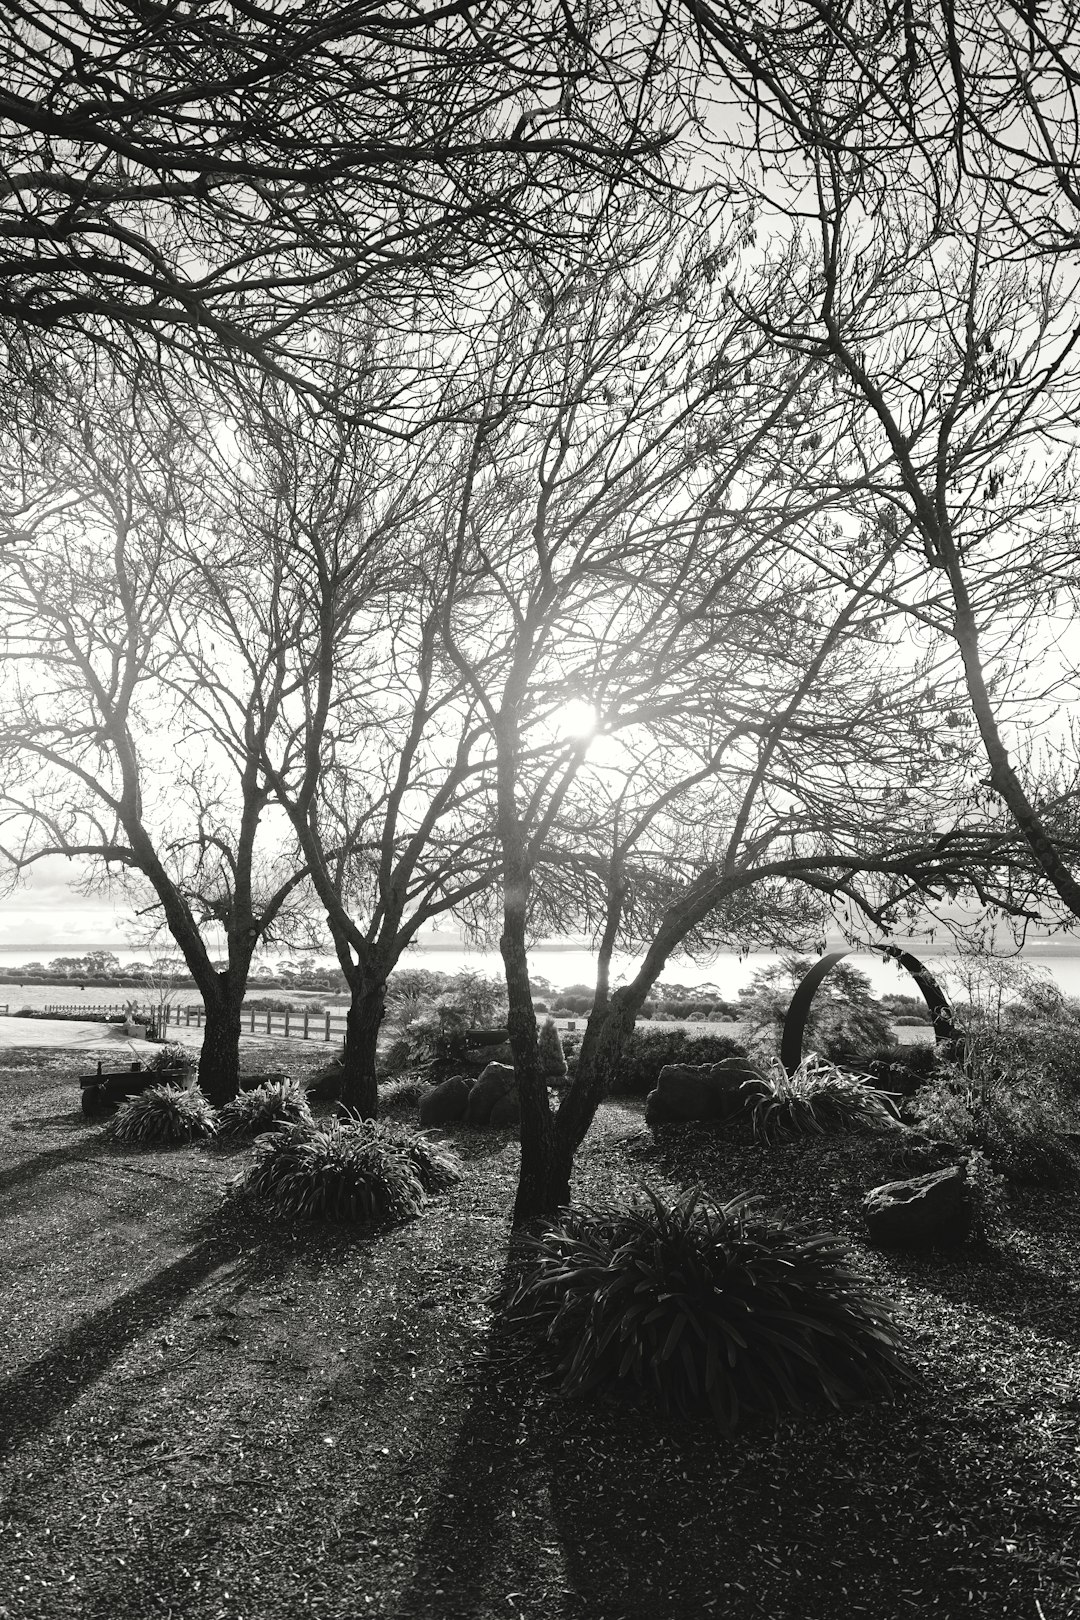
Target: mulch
pixel 208 1416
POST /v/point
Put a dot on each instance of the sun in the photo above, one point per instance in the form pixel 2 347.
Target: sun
pixel 575 719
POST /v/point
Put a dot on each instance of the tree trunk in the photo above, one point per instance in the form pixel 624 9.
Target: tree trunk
pixel 359 1084
pixel 219 1060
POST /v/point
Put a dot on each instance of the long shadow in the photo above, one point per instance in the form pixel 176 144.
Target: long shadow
pixel 466 1554
pixel 41 1163
pixel 35 1397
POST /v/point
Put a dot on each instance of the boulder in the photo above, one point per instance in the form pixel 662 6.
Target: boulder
pixel 507 1110
pixel 494 1082
pixel 325 1084
pixel 931 1211
pixel 711 1091
pixel 445 1102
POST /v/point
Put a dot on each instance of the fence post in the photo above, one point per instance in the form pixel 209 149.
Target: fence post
pixel 286 1022
pixel 306 1023
pixel 327 1026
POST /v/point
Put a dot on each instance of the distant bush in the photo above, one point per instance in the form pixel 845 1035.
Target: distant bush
pixel 552 1057
pixel 162 1116
pixel 817 1100
pixel 647 1051
pixel 912 1020
pixel 716 1309
pixel 578 1005
pixel 334 1172
pixel 278 1102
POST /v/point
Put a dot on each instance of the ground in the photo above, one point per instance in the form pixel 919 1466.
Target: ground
pixel 207 1416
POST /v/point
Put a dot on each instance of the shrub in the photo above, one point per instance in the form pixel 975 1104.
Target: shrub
pixel 647 1051
pixel 173 1056
pixel 436 1167
pixel 278 1102
pixel 817 1100
pixel 162 1115
pixel 400 1098
pixel 900 1069
pixel 911 1020
pixel 713 1306
pixel 552 1057
pixel 334 1172
pixel 1008 1117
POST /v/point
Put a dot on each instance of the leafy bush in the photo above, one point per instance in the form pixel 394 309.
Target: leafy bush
pixel 1008 1116
pixel 911 1020
pixel 162 1115
pixel 278 1102
pixel 174 1056
pixel 334 1172
pixel 552 1057
pixel 712 1306
pixel 436 1167
pixel 900 1069
pixel 648 1051
pixel 817 1100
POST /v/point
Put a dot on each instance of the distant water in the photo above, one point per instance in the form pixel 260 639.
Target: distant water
pixel 562 967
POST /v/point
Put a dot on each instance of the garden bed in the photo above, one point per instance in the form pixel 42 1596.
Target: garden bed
pixel 220 1418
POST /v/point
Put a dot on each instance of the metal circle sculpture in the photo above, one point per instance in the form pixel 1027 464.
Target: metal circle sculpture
pixel 941 1013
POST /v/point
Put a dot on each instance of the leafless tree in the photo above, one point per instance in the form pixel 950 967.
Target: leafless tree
pixel 106 757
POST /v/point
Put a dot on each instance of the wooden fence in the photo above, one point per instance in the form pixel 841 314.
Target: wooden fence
pixel 296 1024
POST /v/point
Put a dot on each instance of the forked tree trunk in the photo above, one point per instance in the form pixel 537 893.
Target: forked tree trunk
pixel 360 1081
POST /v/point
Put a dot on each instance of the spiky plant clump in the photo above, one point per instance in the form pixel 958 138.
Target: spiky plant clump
pixel 716 1309
pixel 162 1115
pixel 437 1167
pixel 336 1171
pixel 172 1056
pixel 401 1097
pixel 817 1100
pixel 278 1102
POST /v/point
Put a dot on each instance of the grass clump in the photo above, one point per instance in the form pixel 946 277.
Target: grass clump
pixel 437 1167
pixel 278 1102
pixel 338 1171
pixel 400 1098
pixel 817 1100
pixel 714 1308
pixel 172 1057
pixel 163 1115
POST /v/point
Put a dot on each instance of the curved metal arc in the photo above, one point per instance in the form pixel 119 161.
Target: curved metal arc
pixel 798 1012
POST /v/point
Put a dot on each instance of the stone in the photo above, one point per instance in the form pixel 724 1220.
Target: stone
pixel 325 1084
pixel 507 1111
pixel 446 1102
pixel 711 1091
pixel 931 1211
pixel 493 1082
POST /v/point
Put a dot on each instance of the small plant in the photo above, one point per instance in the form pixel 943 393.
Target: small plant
pixel 817 1100
pixel 333 1172
pixel 712 1306
pixel 400 1098
pixel 552 1057
pixel 172 1057
pixel 1006 1115
pixel 162 1115
pixel 278 1102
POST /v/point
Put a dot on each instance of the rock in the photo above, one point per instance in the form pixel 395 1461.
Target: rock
pixel 507 1110
pixel 494 1082
pixel 710 1091
pixel 445 1102
pixel 926 1212
pixel 325 1083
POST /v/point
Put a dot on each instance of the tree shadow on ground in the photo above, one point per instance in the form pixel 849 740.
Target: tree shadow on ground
pixel 998 1281
pixel 40 1164
pixel 36 1395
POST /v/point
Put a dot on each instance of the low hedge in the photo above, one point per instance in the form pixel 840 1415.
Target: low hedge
pixel 649 1050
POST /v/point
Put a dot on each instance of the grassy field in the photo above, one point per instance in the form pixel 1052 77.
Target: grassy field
pixel 206 1416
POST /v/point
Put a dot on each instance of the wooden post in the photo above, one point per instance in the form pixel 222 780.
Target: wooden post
pixel 286 1022
pixel 306 1016
pixel 327 1026
pixel 253 1020
pixel 269 1015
